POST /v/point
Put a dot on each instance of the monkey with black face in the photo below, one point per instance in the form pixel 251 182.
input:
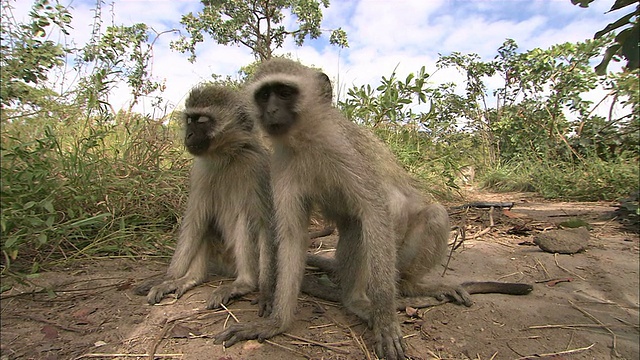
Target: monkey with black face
pixel 389 234
pixel 228 215
pixel 321 159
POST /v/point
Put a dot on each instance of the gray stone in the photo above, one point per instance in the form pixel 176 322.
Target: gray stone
pixel 564 241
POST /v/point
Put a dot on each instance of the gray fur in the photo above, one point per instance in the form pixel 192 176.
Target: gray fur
pixel 227 220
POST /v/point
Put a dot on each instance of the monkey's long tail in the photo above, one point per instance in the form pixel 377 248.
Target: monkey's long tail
pixel 314 286
pixel 472 287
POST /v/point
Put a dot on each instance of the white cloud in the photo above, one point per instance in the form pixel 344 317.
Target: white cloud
pixel 382 34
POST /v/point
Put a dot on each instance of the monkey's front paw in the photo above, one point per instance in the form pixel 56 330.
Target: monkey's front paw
pixel 144 288
pixel 456 294
pixel 179 287
pixel 224 294
pixel 388 343
pixel 261 330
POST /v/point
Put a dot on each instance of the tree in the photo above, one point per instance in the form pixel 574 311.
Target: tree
pixel 27 53
pixel 255 24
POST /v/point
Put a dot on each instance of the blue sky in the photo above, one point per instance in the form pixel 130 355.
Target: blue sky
pixel 382 34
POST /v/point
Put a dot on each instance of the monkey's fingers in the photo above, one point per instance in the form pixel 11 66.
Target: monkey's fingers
pixel 265 306
pixel 225 294
pixel 261 330
pixel 456 294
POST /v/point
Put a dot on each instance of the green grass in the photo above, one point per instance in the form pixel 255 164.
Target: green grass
pixel 81 189
pixel 590 179
pixel 86 188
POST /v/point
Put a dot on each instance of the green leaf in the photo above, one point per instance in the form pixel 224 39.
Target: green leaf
pixel 28 205
pixel 48 205
pixel 10 241
pixel 601 69
pixel 90 221
pixel 619 4
pixel 42 239
pixel 614 25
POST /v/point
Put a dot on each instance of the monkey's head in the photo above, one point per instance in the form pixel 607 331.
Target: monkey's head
pixel 212 114
pixel 281 88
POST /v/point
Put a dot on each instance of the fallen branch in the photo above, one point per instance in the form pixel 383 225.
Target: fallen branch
pixel 485 205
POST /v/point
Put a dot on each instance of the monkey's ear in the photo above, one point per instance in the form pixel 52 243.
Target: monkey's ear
pixel 325 86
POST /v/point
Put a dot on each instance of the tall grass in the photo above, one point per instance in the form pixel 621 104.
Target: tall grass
pixel 85 187
pixel 590 179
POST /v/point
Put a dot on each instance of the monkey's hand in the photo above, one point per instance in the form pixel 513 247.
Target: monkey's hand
pixel 388 341
pixel 224 294
pixel 261 330
pixel 179 287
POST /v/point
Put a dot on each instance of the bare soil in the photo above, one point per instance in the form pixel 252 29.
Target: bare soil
pixel 589 311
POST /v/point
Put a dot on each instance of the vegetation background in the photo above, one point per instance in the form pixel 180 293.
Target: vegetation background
pixel 82 179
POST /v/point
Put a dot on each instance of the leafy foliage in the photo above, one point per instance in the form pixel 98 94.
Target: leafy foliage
pixel 82 179
pixel 27 53
pixel 627 41
pixel 256 25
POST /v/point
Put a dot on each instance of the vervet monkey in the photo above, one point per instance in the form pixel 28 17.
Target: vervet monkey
pixel 228 215
pixel 322 159
pixel 390 235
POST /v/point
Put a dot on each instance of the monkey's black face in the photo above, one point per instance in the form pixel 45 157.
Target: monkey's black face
pixel 277 107
pixel 197 135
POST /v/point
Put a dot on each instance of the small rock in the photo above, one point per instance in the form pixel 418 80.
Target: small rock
pixel 564 241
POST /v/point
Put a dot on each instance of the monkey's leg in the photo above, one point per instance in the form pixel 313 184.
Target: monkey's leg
pixel 246 255
pixel 314 286
pixel 423 247
pixel 366 266
pixel 292 218
pixel 268 270
pixel 323 263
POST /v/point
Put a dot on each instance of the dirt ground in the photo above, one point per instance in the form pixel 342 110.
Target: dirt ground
pixel 591 312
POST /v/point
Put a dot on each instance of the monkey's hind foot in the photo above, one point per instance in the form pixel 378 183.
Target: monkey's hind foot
pixel 456 294
pixel 388 343
pixel 261 330
pixel 225 294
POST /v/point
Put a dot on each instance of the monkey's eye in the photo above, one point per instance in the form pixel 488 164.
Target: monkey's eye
pixel 263 95
pixel 285 93
pixel 203 119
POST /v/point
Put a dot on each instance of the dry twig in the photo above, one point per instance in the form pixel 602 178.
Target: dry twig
pixel 555 258
pixel 309 341
pixel 104 355
pixel 615 337
pixel 555 354
pixel 288 349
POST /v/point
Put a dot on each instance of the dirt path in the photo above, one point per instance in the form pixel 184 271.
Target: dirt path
pixel 595 315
